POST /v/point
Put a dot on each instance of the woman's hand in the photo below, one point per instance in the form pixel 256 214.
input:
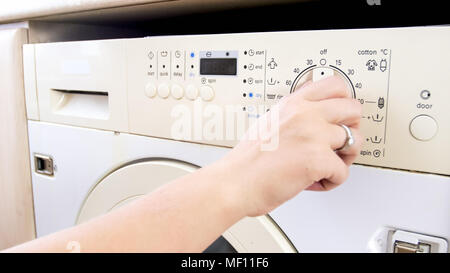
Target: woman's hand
pixel 305 156
pixel 249 181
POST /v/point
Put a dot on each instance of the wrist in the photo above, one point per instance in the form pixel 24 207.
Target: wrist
pixel 225 178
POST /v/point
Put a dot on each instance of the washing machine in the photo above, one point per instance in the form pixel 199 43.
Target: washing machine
pixel 111 120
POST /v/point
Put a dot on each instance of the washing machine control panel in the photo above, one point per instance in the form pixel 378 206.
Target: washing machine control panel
pixel 257 78
pixel 210 88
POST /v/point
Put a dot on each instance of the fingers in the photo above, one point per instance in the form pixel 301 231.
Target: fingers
pixel 332 102
pixel 349 155
pixel 336 136
pixel 331 87
pixel 335 173
pixel 342 111
pixel 336 168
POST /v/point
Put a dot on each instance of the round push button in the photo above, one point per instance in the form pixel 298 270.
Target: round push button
pixel 191 92
pixel 425 94
pixel 177 91
pixel 207 93
pixel 163 90
pixel 150 90
pixel 423 127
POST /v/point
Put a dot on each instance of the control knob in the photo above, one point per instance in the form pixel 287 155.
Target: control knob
pixel 318 73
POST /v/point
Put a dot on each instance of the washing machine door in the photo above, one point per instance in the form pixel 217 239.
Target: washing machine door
pixel 132 181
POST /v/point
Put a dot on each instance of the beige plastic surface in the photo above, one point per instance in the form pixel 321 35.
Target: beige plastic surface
pixel 83 84
pixel 423 127
pixel 408 60
pixel 16 197
pixel 88 11
pixel 129 183
pixel 29 71
pixel 14 10
pixel 387 68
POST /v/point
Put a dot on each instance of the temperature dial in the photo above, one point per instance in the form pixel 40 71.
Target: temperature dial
pixel 317 73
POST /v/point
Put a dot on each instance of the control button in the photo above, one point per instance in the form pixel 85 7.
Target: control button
pixel 425 94
pixel 177 91
pixel 191 92
pixel 150 90
pixel 207 93
pixel 163 90
pixel 423 127
pixel 316 74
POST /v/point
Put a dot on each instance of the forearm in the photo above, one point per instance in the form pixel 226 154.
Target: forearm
pixel 191 212
pixel 186 215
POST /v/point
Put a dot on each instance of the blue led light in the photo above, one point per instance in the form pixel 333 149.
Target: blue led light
pixel 192 55
pixel 250 95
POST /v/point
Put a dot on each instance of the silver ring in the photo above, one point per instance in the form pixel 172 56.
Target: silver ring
pixel 349 141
